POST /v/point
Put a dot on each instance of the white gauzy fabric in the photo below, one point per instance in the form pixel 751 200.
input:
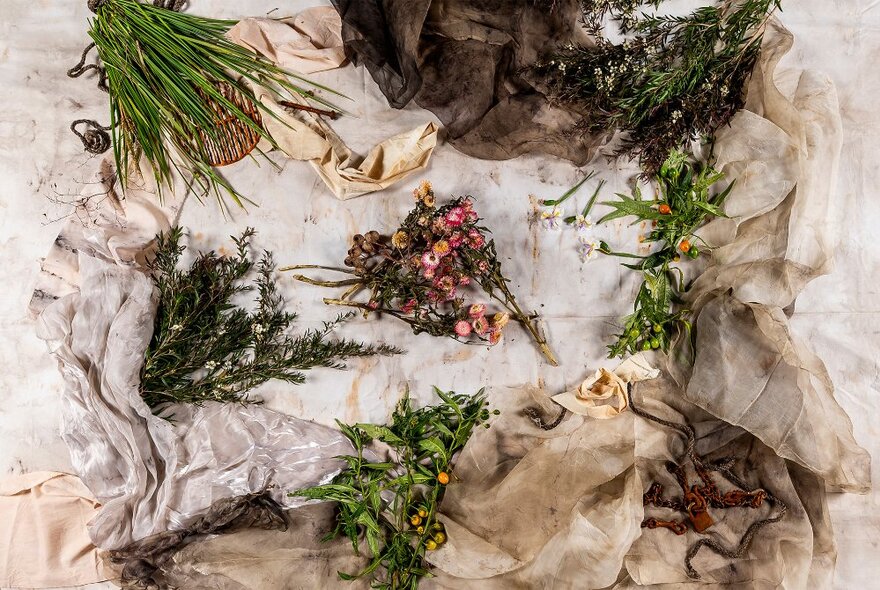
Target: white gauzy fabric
pixel 749 369
pixel 106 223
pixel 152 475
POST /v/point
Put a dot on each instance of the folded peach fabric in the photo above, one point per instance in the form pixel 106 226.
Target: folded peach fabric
pixel 603 394
pixel 307 43
pixel 43 541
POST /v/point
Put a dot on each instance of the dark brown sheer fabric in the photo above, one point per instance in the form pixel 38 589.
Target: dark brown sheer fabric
pixel 467 62
pixel 143 562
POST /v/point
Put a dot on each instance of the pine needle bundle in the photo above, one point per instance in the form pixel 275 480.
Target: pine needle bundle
pixel 179 91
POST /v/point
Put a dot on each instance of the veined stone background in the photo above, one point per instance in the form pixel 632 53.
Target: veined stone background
pixel 42 167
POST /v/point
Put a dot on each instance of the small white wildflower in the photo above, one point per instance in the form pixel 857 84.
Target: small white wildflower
pixel 551 217
pixel 211 365
pixel 176 327
pixel 588 249
pixel 724 89
pixel 676 115
pixel 583 223
pixel 259 329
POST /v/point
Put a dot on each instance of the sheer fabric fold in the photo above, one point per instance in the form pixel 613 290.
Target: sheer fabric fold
pixel 467 62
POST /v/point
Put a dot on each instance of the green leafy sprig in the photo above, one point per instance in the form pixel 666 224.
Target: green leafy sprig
pixel 393 505
pixel 683 202
pixel 206 348
pixel 675 79
pixel 166 74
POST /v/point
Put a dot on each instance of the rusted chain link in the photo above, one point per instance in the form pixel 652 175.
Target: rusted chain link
pixel 697 499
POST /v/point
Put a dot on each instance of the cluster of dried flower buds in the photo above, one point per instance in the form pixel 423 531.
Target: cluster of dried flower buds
pixel 366 247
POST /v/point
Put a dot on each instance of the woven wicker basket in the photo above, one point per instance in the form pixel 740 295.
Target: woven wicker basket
pixel 235 139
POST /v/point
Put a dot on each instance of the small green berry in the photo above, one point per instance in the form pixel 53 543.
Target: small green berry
pixel 657 328
pixel 646 345
pixel 655 343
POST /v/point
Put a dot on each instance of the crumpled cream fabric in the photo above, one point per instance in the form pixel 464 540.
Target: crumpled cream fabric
pixel 603 394
pixel 307 43
pixel 303 135
pixel 43 541
pixel 313 140
pixel 749 368
pixel 152 475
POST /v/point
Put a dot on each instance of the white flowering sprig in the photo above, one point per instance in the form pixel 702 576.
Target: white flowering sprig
pixel 205 348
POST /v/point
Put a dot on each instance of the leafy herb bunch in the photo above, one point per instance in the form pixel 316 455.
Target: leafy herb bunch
pixel 420 274
pixel 393 505
pixel 683 202
pixel 206 348
pixel 674 79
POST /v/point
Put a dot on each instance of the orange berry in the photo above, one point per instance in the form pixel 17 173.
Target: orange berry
pixel 443 477
pixel 665 209
pixel 684 246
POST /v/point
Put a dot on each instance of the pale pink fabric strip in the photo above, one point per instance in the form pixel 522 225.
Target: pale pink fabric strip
pixel 44 542
pixel 307 43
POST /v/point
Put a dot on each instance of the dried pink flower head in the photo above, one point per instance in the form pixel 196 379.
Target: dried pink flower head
pixel 481 325
pixel 463 328
pixel 477 310
pixel 476 239
pixel 455 217
pixel 430 260
pixel 495 336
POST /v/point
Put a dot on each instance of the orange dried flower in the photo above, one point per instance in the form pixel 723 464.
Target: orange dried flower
pixel 665 209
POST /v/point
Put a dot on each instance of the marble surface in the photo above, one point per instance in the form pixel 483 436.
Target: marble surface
pixel 42 167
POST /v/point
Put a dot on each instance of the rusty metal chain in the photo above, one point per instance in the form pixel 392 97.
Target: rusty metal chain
pixel 697 499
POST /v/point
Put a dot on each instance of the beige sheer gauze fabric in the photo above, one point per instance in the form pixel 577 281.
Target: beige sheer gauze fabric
pixel 150 474
pixel 563 509
pixel 44 543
